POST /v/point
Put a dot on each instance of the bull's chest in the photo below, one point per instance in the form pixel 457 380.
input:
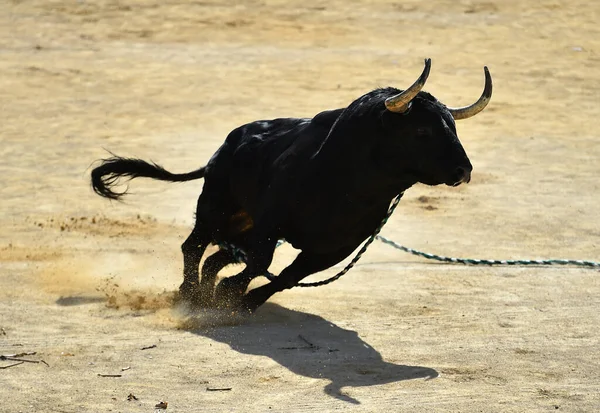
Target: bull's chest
pixel 335 226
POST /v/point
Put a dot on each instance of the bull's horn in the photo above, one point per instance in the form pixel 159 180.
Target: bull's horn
pixel 475 108
pixel 399 103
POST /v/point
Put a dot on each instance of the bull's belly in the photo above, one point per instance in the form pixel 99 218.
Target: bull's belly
pixel 325 242
pixel 334 229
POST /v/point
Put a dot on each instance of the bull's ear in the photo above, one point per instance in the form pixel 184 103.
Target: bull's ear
pixel 472 110
pixel 400 103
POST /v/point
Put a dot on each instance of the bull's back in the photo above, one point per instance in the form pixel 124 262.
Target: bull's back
pixel 271 153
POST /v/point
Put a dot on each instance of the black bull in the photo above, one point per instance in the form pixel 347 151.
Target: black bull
pixel 323 184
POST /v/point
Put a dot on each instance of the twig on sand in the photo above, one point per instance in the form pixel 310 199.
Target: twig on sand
pixel 16 357
pixel 218 388
pixel 309 346
pixel 29 353
pixel 11 365
pixel 110 375
pixel 148 347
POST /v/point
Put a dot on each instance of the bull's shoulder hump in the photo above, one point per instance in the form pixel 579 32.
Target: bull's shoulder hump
pixel 267 129
pixel 273 124
pixel 327 118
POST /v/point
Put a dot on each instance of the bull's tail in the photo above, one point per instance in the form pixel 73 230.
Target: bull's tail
pixel 107 175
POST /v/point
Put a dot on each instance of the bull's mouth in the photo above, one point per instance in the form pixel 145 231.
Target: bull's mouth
pixel 462 176
pixel 456 180
pixel 461 181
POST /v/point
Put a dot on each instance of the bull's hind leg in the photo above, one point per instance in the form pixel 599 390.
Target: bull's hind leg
pixel 211 267
pixel 304 265
pixel 230 290
pixel 193 248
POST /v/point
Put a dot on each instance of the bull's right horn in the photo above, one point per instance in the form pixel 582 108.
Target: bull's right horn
pixel 400 103
pixel 472 110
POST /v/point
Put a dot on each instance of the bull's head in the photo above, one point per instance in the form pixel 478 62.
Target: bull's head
pixel 420 135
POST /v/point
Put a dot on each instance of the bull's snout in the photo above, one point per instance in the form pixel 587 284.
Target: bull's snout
pixel 463 175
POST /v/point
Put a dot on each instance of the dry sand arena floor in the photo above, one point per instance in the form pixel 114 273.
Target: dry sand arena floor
pixel 86 284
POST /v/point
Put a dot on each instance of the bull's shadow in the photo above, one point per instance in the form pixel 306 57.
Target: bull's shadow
pixel 311 346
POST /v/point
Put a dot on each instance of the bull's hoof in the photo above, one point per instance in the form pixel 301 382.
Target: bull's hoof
pixel 250 302
pixel 245 306
pixel 195 296
pixel 188 291
pixel 229 292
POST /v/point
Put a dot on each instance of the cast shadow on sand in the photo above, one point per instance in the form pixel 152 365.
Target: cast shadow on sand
pixel 311 346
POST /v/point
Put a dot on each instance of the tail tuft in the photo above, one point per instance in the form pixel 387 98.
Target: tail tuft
pixel 108 175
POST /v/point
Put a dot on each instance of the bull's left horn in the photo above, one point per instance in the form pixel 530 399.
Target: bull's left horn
pixel 475 108
pixel 399 103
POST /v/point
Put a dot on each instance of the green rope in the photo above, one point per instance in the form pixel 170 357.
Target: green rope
pixel 473 261
pixel 240 256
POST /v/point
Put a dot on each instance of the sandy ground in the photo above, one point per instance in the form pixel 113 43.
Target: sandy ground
pixel 86 284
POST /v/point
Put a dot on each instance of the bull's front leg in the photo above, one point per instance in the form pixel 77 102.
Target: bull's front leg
pixel 304 265
pixel 193 248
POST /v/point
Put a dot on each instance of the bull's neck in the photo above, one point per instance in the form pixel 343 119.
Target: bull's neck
pixel 346 164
